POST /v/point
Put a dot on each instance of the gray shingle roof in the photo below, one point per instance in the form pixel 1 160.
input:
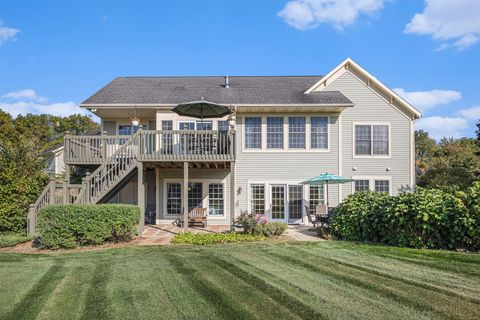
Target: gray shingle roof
pixel 243 90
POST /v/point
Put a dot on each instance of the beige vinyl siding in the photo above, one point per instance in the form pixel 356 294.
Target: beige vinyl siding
pixel 371 108
pixel 283 166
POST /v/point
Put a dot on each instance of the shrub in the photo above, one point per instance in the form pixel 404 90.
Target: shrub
pixel 357 217
pixel 247 220
pixel 270 229
pixel 212 238
pixel 426 218
pixel 69 226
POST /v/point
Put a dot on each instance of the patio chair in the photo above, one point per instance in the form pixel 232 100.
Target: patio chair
pixel 312 218
pixel 321 211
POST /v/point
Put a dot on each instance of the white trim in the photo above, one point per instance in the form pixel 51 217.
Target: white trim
pixel 372 156
pixel 371 180
pixel 308 148
pixel 349 63
pixel 205 195
pixel 340 156
pixel 412 156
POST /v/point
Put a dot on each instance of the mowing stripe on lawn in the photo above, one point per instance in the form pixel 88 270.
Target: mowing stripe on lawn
pixel 261 305
pixel 226 308
pixel 349 278
pixel 32 303
pixel 97 304
pixel 295 305
pixel 406 280
pixel 421 300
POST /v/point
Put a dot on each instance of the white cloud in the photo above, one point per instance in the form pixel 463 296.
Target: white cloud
pixel 471 114
pixel 27 94
pixel 308 14
pixel 58 109
pixel 454 22
pixel 440 127
pixel 7 33
pixel 425 100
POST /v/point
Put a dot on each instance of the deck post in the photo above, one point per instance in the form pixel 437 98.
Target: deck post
pixel 185 196
pixel 31 220
pixel 66 182
pixel 157 194
pixel 232 195
pixel 52 191
pixel 141 198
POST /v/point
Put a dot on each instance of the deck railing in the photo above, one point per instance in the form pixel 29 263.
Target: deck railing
pixel 54 193
pixel 154 145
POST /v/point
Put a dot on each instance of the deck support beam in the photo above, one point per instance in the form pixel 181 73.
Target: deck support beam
pixel 66 183
pixel 157 194
pixel 141 197
pixel 185 196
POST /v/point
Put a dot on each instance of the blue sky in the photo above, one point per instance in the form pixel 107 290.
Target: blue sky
pixel 54 54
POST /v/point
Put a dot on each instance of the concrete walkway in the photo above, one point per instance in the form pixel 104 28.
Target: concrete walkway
pixel 301 233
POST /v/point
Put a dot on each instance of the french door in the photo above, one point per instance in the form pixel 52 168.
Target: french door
pixel 286 203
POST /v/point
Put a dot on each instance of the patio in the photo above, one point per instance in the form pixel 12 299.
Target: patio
pixel 162 234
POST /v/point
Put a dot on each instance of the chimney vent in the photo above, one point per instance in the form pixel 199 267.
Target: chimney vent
pixel 227 82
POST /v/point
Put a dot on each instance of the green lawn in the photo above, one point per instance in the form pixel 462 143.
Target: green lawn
pixel 242 281
pixel 8 239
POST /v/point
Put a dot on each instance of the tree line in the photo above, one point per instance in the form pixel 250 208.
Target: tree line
pixel 450 164
pixel 24 145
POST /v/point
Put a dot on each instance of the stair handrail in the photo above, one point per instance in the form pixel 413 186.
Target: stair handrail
pixel 85 195
pixel 47 197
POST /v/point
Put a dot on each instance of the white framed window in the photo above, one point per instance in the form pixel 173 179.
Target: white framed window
pixel 216 199
pixel 253 132
pixel 274 132
pixel 371 140
pixel 382 186
pixel 378 184
pixel 257 198
pixel 174 198
pixel 286 133
pixel 296 132
pixel 362 185
pixel 223 125
pixel 317 196
pixel 319 132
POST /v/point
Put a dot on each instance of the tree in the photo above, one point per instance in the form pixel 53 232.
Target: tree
pixel 424 147
pixel 447 178
pixel 22 179
pixel 478 131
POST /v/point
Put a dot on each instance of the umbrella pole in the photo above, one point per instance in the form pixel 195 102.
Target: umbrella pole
pixel 327 197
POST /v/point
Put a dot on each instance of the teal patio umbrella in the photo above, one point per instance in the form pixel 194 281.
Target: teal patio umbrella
pixel 326 178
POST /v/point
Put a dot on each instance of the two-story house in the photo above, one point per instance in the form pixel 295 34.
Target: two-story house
pixel 283 130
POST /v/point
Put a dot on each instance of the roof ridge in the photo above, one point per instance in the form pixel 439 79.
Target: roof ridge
pixel 221 76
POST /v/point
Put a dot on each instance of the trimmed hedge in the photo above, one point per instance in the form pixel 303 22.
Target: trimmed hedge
pixel 212 238
pixel 69 226
pixel 426 218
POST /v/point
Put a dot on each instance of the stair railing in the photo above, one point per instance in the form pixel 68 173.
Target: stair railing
pixel 96 185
